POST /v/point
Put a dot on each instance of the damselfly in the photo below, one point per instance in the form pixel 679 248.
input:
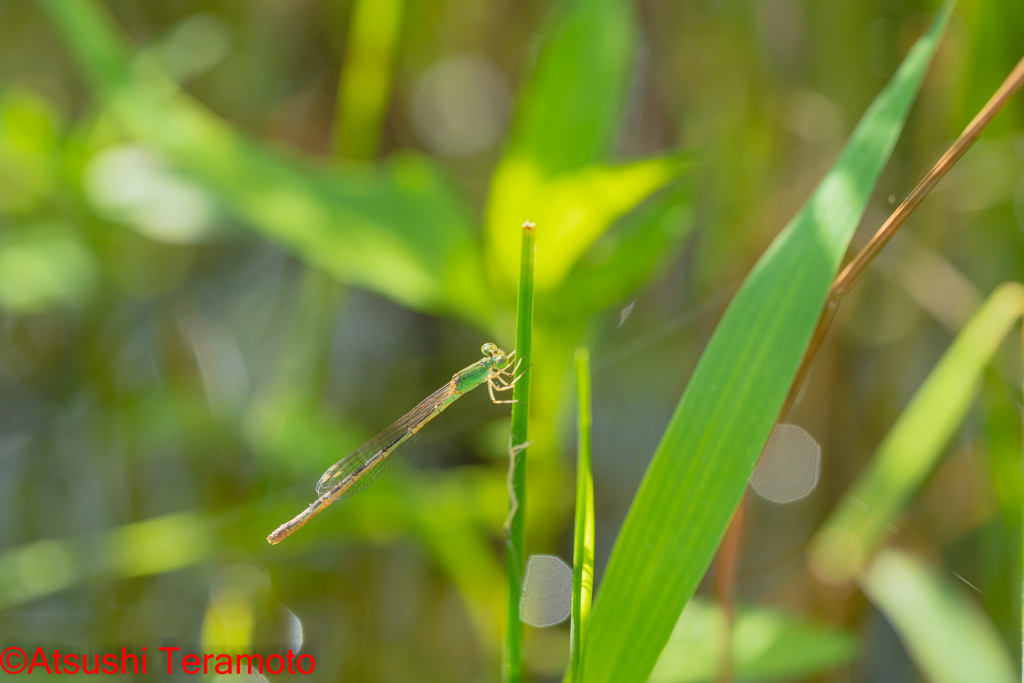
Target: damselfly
pixel 366 464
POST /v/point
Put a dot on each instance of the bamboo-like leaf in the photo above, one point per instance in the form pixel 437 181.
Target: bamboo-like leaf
pixel 947 635
pixel 701 467
pixel 916 441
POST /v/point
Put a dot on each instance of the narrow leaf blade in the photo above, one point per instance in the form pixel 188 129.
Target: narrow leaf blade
pixel 912 448
pixel 722 422
pixel 583 543
pixel 947 635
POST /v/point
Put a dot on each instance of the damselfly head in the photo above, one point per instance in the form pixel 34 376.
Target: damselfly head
pixel 494 357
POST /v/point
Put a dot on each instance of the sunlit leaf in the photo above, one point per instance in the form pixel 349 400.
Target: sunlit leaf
pixel 399 230
pixel 642 245
pixel 583 536
pixel 767 645
pixel 702 465
pixel 555 171
pixel 229 620
pixel 571 210
pixel 158 545
pixel 948 636
pixel 153 546
pixel 913 446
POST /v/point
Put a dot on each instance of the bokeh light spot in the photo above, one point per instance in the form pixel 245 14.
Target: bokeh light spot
pixel 461 105
pixel 547 591
pixel 789 467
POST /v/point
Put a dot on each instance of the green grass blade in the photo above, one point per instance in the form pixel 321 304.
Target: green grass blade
pixel 1001 422
pixel 400 230
pixel 767 645
pixel 583 541
pixel 365 87
pixel 701 467
pixel 515 557
pixel 915 443
pixel 946 634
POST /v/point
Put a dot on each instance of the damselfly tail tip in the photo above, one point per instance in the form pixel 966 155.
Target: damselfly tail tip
pixel 279 535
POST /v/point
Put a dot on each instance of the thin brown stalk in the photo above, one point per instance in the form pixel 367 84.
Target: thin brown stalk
pixel 856 267
pixel 724 586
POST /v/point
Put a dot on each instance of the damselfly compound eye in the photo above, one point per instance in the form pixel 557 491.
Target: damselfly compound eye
pixel 488 349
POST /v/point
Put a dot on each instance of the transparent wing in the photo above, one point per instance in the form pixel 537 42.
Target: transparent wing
pixel 367 461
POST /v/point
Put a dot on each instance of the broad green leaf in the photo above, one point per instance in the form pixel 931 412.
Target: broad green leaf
pixel 947 635
pixel 571 210
pixel 399 230
pixel 641 246
pixel 767 645
pixel 571 109
pixel 555 172
pixel 914 445
pixel 701 467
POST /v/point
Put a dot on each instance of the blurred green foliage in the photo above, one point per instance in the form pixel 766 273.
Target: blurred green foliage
pixel 236 239
pixel 910 451
pixel 767 645
pixel 946 633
